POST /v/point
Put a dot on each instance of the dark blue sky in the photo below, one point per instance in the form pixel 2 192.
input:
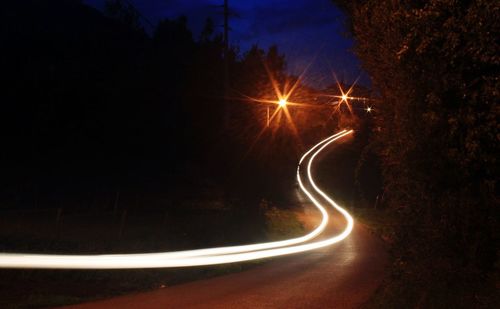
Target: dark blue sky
pixel 304 30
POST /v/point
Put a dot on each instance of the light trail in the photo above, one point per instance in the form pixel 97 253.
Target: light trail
pixel 209 256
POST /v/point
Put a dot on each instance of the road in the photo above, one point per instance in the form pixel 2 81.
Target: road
pixel 342 275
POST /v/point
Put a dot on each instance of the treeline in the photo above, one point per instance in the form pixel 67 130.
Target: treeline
pixel 93 105
pixel 435 64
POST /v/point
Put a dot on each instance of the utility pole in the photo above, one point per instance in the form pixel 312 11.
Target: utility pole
pixel 268 120
pixel 226 27
pixel 226 53
pixel 227 113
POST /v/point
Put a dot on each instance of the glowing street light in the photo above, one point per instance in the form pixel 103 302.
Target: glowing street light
pixel 281 103
pixel 345 97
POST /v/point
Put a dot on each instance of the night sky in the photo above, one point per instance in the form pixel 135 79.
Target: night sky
pixel 304 30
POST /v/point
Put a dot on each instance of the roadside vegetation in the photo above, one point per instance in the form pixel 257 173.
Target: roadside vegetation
pixel 282 223
pixel 435 66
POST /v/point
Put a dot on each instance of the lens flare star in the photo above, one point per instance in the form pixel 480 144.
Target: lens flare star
pixel 345 97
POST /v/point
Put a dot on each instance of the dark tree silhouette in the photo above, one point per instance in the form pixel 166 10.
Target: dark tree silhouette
pixel 435 64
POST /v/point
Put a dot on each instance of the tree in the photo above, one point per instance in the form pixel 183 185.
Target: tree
pixel 207 31
pixel 123 11
pixel 435 65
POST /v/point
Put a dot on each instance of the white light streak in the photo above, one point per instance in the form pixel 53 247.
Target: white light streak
pixel 208 256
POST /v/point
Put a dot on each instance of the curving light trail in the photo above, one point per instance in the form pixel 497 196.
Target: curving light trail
pixel 209 256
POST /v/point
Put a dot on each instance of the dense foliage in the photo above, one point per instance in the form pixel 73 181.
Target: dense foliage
pixel 435 64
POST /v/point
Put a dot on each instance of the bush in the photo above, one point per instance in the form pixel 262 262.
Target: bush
pixel 435 64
